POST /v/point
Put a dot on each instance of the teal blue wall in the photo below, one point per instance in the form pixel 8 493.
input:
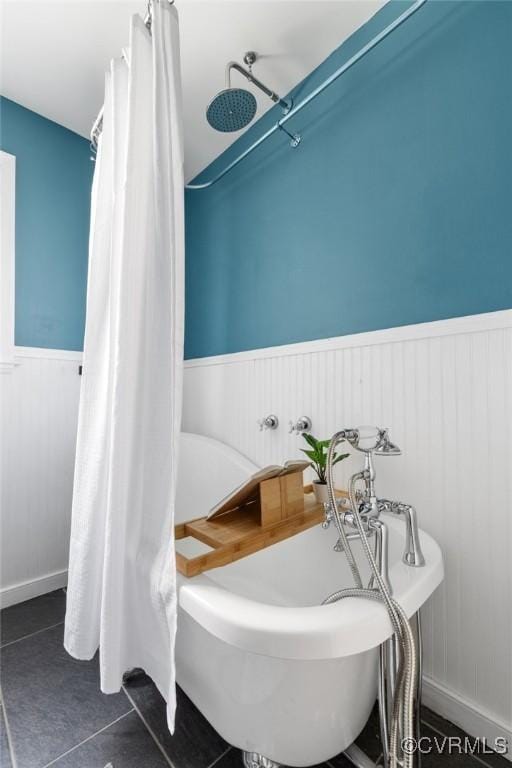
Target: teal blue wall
pixel 53 181
pixel 395 209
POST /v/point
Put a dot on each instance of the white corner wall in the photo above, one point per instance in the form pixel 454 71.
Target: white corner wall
pixel 445 391
pixel 39 412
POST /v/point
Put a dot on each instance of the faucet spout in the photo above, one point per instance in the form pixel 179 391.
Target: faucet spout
pixel 413 555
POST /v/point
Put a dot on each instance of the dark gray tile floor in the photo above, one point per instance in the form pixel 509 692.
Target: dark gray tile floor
pixel 53 697
pixel 57 715
pixel 194 743
pixel 32 616
pixel 126 743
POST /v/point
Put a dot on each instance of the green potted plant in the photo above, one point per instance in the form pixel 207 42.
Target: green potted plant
pixel 317 454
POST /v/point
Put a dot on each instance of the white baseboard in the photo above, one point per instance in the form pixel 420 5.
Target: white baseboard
pixel 28 589
pixel 476 722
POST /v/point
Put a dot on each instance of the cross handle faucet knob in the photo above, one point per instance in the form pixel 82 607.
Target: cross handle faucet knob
pixel 268 422
pixel 303 424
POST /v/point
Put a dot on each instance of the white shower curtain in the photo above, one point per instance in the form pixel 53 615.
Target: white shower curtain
pixel 122 588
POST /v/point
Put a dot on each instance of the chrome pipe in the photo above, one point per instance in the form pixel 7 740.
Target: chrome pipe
pixel 343 541
pixel 385 696
pixel 254 80
pixel 316 92
pixel 384 709
pixel 419 688
pixel 381 550
pixel 393 655
pixel 392 664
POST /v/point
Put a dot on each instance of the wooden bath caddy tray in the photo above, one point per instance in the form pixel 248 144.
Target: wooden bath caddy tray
pixel 254 517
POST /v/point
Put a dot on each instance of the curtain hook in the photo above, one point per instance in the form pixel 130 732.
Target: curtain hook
pixel 148 21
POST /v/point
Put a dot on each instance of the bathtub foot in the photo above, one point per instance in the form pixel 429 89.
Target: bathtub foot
pixel 358 758
pixel 255 760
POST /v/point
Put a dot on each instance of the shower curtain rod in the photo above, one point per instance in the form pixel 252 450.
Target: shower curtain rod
pixel 307 99
pixel 298 107
pixel 97 126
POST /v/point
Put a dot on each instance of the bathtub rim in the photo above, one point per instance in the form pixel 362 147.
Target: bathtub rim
pixel 313 632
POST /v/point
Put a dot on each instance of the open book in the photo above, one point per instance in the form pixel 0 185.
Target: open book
pixel 249 488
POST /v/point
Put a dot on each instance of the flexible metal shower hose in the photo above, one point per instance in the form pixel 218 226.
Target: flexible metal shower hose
pixel 405 688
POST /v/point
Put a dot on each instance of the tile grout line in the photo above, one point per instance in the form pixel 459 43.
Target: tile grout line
pixel 31 634
pixel 148 728
pixel 14 761
pixel 447 736
pixel 217 759
pixel 84 741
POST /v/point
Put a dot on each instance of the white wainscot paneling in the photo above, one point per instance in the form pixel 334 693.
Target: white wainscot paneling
pixel 445 391
pixel 39 408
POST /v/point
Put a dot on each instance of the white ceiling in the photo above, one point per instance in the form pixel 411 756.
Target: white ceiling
pixel 55 52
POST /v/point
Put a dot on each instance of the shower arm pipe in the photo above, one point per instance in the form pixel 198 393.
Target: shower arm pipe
pixel 286 105
pixel 316 92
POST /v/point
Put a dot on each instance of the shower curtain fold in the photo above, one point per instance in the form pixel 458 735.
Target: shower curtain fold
pixel 122 588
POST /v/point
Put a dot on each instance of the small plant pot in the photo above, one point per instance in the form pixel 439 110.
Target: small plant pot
pixel 321 492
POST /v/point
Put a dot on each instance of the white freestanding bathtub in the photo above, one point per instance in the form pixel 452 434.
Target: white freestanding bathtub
pixel 272 670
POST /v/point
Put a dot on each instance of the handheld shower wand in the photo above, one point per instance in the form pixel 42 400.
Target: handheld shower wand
pixel 405 691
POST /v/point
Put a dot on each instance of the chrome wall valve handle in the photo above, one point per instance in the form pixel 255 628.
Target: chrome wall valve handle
pixel 268 422
pixel 303 424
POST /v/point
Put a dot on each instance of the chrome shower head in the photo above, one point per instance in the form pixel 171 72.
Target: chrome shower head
pixel 231 110
pixel 234 108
